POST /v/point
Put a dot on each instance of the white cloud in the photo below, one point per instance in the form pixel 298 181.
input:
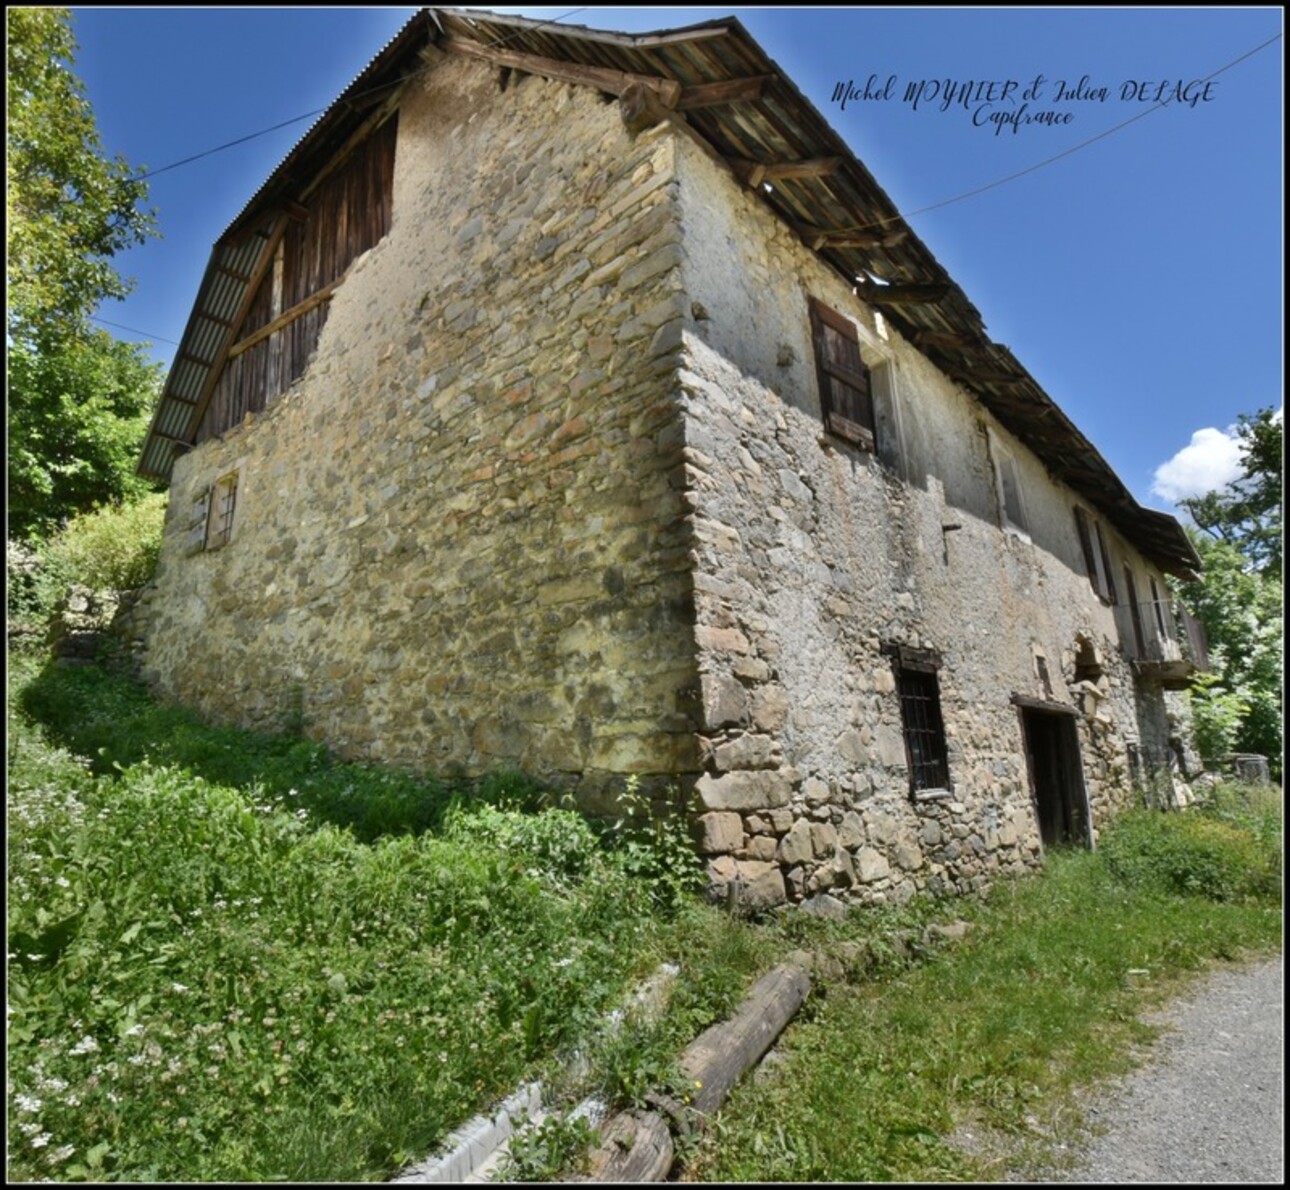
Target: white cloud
pixel 1209 462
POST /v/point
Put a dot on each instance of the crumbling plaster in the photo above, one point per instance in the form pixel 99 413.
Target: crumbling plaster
pixel 812 554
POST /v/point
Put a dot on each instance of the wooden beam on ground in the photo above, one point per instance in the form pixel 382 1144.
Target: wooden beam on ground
pixel 602 78
pixel 284 319
pixel 718 1057
pixel 743 90
pixel 634 1147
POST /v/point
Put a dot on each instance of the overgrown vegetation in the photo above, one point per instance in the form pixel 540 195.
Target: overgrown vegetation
pixel 78 399
pixel 996 1035
pixel 209 981
pixel 1238 598
pixel 232 959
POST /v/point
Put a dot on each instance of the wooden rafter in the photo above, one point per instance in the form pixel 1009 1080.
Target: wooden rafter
pixel 817 238
pixel 252 284
pixel 902 295
pixel 951 340
pixel 602 78
pixel 744 90
pixel 754 173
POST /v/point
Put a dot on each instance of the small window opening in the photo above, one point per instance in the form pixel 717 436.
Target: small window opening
pixel 223 506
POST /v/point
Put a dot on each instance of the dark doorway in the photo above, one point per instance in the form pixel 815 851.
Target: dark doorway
pixel 1056 777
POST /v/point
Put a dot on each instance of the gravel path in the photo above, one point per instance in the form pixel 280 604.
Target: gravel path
pixel 1209 1108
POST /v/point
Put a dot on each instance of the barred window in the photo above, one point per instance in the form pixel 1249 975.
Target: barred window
pixel 920 714
pixel 223 506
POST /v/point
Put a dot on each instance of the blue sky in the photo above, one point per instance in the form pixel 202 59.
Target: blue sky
pixel 1139 279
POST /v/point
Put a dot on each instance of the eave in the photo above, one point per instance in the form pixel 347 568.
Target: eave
pixel 716 85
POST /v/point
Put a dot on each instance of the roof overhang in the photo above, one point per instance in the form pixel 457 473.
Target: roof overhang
pixel 715 84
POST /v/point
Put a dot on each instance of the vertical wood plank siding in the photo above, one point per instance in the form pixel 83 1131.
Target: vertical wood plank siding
pixel 348 213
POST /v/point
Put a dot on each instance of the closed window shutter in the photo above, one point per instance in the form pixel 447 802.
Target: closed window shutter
pixel 1086 544
pixel 846 397
pixel 1106 563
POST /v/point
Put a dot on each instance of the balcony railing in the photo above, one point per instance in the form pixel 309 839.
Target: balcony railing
pixel 1166 642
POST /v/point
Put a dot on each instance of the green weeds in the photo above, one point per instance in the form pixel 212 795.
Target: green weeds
pixel 1044 997
pixel 231 959
pixel 209 981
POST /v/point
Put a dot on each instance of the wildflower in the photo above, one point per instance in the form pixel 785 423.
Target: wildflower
pixel 60 1154
pixel 28 1103
pixel 63 882
pixel 39 1142
pixel 86 1045
pixel 178 988
pixel 135 1030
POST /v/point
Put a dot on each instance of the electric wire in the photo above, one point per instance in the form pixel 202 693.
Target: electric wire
pixel 241 140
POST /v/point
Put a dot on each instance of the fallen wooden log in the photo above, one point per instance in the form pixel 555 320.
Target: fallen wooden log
pixel 634 1147
pixel 719 1056
pixel 637 1146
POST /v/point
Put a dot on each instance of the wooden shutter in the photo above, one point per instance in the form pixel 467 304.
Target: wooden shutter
pixel 1135 612
pixel 846 398
pixel 1106 563
pixel 1097 560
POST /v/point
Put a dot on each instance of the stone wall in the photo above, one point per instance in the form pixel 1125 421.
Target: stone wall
pixel 812 555
pixel 459 539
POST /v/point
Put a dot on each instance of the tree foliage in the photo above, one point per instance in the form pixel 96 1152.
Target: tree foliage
pixel 1247 514
pixel 78 399
pixel 1238 598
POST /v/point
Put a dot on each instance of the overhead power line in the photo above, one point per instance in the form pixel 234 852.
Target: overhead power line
pixel 241 140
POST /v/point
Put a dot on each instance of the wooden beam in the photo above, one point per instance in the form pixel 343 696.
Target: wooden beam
pixel 743 90
pixel 865 239
pixel 360 134
pixel 756 172
pixel 902 295
pixel 297 212
pixel 252 284
pixel 196 359
pixel 956 342
pixel 284 319
pixel 714 1061
pixel 635 1146
pixel 641 108
pixel 215 318
pixel 987 376
pixel 816 238
pixel 219 268
pixel 601 77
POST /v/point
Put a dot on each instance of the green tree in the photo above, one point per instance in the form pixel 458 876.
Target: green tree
pixel 1238 708
pixel 1238 598
pixel 1247 514
pixel 77 398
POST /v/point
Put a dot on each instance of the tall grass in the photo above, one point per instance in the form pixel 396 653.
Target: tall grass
pixel 231 959
pixel 1044 998
pixel 208 982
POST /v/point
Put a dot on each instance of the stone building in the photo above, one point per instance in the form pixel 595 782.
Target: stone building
pixel 577 401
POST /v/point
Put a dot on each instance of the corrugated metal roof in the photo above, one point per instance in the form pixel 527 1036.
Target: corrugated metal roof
pixel 842 213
